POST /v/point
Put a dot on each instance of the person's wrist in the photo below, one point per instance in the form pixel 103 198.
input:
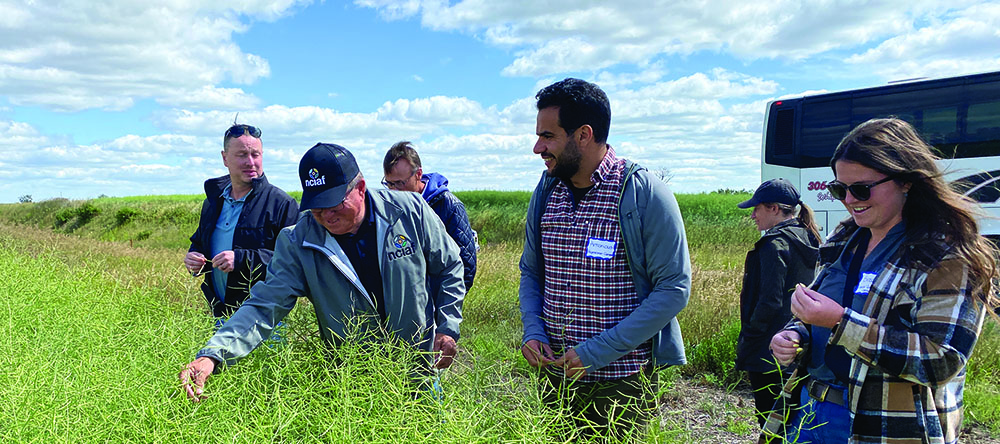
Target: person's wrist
pixel 836 325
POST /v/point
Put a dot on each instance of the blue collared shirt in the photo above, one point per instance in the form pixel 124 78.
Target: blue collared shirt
pixel 222 237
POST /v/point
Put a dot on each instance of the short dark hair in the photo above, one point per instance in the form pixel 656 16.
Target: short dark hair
pixel 400 150
pixel 580 103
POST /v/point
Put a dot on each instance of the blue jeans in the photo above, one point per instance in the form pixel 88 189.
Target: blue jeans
pixel 819 422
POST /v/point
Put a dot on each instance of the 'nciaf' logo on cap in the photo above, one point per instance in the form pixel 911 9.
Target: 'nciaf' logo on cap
pixel 314 179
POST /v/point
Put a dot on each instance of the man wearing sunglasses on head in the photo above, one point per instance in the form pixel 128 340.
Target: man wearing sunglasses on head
pixel 240 220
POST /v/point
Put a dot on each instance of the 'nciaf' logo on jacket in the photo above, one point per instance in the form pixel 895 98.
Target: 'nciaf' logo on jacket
pixel 403 247
pixel 314 179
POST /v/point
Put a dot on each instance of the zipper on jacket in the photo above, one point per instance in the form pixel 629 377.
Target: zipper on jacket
pixel 325 250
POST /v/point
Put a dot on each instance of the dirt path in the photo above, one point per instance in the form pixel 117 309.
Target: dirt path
pixel 707 414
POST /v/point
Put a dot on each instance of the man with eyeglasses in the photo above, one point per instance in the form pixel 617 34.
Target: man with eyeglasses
pixel 369 260
pixel 240 220
pixel 403 172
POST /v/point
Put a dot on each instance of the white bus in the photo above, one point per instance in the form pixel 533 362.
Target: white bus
pixel 959 116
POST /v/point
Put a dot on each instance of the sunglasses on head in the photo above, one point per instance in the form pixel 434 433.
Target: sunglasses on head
pixel 241 129
pixel 860 191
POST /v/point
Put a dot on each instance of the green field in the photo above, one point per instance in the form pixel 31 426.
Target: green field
pixel 101 316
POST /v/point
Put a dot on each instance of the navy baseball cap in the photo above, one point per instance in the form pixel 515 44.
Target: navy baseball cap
pixel 325 172
pixel 773 191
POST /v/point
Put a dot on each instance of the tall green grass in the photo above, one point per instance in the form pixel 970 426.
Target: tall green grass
pixel 982 392
pixel 142 262
pixel 498 216
pixel 88 356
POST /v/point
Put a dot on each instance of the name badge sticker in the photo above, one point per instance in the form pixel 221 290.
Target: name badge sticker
pixel 602 249
pixel 865 283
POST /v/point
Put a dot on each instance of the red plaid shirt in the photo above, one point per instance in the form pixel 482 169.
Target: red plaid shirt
pixel 588 290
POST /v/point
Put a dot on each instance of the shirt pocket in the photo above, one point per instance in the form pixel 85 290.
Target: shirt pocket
pixel 252 238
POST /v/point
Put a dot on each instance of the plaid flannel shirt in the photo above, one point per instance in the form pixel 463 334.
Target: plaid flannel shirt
pixel 909 346
pixel 584 296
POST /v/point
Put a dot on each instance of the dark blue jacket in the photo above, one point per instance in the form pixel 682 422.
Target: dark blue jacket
pixel 785 255
pixel 266 211
pixel 456 221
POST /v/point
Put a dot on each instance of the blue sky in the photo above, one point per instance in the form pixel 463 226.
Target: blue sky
pixel 122 98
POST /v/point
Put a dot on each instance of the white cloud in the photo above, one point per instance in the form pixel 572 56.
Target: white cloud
pixel 17 138
pixel 563 55
pixel 210 96
pixel 12 16
pixel 612 81
pixel 438 110
pixel 284 126
pixel 687 125
pixel 392 9
pixel 585 36
pixel 482 161
pixel 70 55
pixel 963 42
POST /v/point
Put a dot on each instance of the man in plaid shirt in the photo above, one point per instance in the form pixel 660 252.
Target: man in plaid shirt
pixel 605 268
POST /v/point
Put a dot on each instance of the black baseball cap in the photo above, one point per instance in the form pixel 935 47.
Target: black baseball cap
pixel 325 172
pixel 773 191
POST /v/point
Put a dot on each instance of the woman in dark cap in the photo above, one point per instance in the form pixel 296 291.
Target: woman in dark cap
pixel 883 335
pixel 784 256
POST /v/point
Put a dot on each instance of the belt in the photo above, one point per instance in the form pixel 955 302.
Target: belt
pixel 822 391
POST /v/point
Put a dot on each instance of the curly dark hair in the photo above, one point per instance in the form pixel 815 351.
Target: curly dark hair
pixel 580 103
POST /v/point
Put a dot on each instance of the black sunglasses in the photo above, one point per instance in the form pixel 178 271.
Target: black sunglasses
pixel 241 129
pixel 860 191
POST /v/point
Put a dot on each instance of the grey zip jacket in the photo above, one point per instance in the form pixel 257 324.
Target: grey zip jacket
pixel 657 252
pixel 421 280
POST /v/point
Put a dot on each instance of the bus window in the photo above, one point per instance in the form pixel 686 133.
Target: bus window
pixel 983 122
pixel 823 125
pixel 780 149
pixel 784 132
pixel 908 105
pixel 940 125
pixel 982 131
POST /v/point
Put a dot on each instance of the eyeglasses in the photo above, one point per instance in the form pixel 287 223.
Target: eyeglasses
pixel 860 191
pixel 335 209
pixel 241 129
pixel 397 184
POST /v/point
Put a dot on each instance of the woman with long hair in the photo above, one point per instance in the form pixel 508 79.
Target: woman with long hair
pixel 883 334
pixel 784 255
